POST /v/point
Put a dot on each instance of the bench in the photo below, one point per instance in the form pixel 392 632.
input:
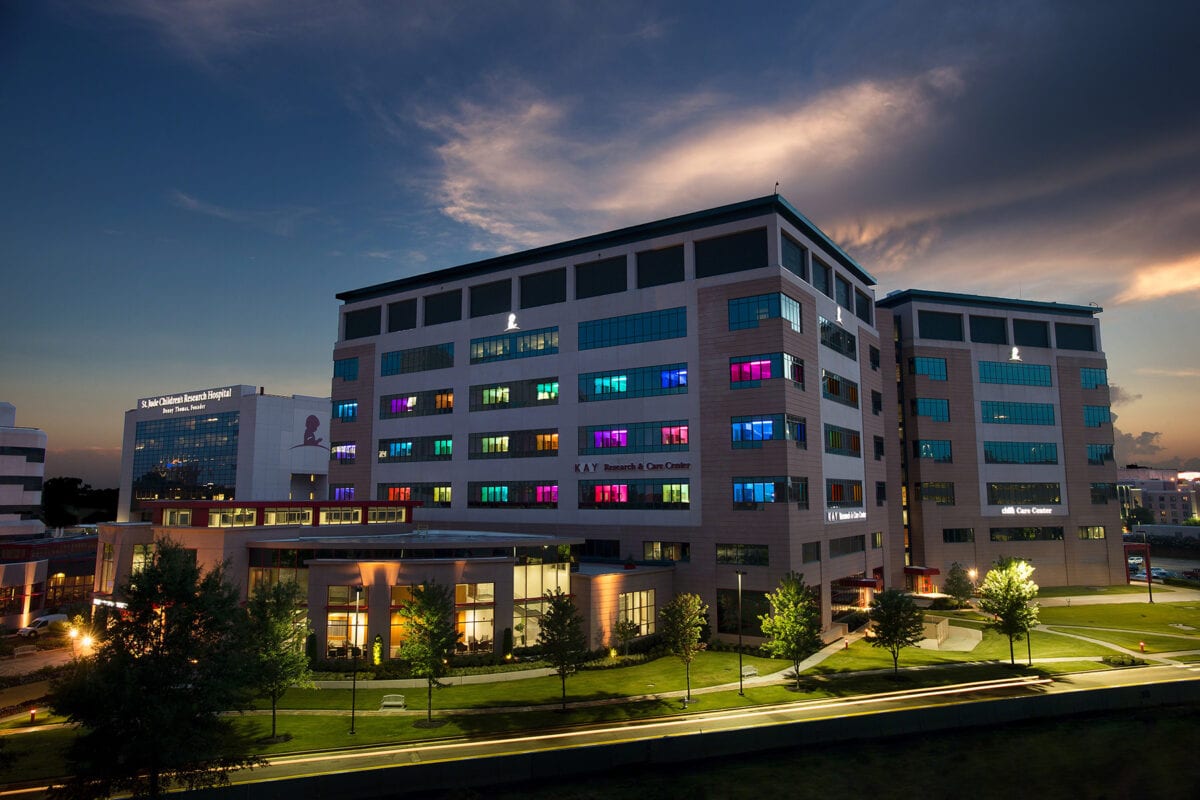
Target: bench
pixel 393 702
pixel 749 672
pixel 25 650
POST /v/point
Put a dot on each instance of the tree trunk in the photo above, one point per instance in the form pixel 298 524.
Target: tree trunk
pixel 563 676
pixel 896 662
pixel 1012 658
pixel 687 671
pixel 429 701
pixel 273 702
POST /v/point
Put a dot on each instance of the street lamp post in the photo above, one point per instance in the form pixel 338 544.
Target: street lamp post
pixel 741 693
pixel 354 657
pixel 74 638
pixel 1146 561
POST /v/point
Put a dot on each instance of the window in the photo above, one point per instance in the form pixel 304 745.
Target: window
pixel 754 555
pixel 512 494
pixel 873 355
pixel 937 492
pixel 1074 337
pixel 417 359
pixel 345 368
pixel 847 545
pixel 936 408
pixel 1014 374
pixel 1030 333
pixel 1099 454
pixel 342 452
pixel 143 555
pixel 876 403
pixel 607 276
pixel 1001 494
pixel 837 338
pixel 795 257
pixel 933 450
pixel 475 616
pixel 341 491
pixel 544 288
pixel 932 368
pixel 362 323
pixel 879 448
pixel 514 394
pixel 1096 416
pixel 736 252
pixel 822 277
pixel 491 298
pixel 177 517
pixel 417 448
pixel 752 431
pixel 107 567
pixel 880 493
pixel 841 493
pixel 1006 413
pixel 287 516
pixel 843 441
pixel 876 540
pixel 1029 534
pixel 418 404
pixel 1091 531
pixel 637 437
pixel 430 494
pixel 841 291
pixel 513 444
pixel 638 608
pixel 1020 452
pixel 670 494
pixel 747 312
pixel 345 620
pixel 1092 378
pixel 402 315
pixel 650 326
pixel 864 308
pixel 750 493
pixel 233 518
pixel 989 330
pixel 940 325
pixel 345 410
pixel 842 390
pixel 810 552
pixel 1103 492
pixel 640 382
pixel 659 267
pixel 958 535
pixel 517 344
pixel 443 307
pixel 666 551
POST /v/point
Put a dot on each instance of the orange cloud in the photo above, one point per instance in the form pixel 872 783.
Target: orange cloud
pixel 1163 280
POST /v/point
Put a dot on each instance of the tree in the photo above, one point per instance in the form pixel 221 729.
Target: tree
pixel 625 631
pixel 1138 515
pixel 793 628
pixel 150 699
pixel 958 584
pixel 897 623
pixel 561 637
pixel 1008 594
pixel 430 635
pixel 682 620
pixel 279 630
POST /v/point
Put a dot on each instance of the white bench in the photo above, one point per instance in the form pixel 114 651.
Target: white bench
pixel 749 672
pixel 25 650
pixel 393 702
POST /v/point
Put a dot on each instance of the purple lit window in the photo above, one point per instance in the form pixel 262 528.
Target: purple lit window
pixel 615 438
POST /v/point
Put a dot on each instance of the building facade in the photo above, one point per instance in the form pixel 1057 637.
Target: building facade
pixel 1004 438
pixel 702 393
pixel 22 468
pixel 226 443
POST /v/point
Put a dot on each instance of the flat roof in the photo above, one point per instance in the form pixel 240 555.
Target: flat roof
pixel 982 301
pixel 746 209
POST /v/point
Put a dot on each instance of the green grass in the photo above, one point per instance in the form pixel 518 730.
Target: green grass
pixel 1141 617
pixel 1091 591
pixel 1133 640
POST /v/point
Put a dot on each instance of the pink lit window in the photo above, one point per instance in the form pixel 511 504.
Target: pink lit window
pixel 612 493
pixel 547 494
pixel 675 434
pixel 750 371
pixel 617 438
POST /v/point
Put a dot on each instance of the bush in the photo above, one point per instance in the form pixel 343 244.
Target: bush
pixel 855 620
pixel 944 604
pixel 1122 660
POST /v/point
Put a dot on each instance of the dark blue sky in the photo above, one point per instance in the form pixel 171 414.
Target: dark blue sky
pixel 185 186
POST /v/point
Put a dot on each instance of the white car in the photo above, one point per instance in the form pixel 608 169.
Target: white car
pixel 41 625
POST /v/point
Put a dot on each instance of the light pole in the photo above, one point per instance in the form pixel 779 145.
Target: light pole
pixel 1146 561
pixel 74 638
pixel 354 657
pixel 741 693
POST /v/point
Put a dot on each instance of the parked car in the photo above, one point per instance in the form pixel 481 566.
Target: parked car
pixel 1136 560
pixel 41 625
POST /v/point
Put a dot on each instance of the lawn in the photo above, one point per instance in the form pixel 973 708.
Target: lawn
pixel 1091 591
pixel 1141 617
pixel 1133 640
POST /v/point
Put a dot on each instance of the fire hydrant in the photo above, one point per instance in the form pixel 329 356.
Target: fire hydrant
pixel 32 715
pixel 1142 646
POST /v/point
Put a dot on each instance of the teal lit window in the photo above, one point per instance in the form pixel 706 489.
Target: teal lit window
pixel 932 368
pixel 746 312
pixel 512 494
pixel 346 369
pixel 650 326
pixel 345 410
pixel 417 448
pixel 1014 374
pixel 1020 452
pixel 933 449
pixel 662 379
pixel 1092 378
pixel 1099 454
pixel 1006 413
pixel 1096 416
pixel 936 408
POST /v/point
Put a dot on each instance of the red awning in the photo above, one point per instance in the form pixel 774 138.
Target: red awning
pixel 922 571
pixel 860 583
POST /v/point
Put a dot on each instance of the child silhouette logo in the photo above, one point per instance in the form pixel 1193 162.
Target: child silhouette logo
pixel 311 425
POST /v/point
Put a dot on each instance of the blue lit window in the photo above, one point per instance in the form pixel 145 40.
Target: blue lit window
pixel 661 379
pixel 345 410
pixel 341 492
pixel 752 431
pixel 672 378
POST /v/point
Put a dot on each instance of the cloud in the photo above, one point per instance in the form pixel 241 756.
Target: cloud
pixel 281 221
pixel 1156 372
pixel 1154 281
pixel 1128 446
pixel 1118 396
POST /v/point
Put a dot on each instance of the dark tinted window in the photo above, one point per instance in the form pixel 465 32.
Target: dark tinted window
pixel 1074 337
pixel 491 298
pixel 364 322
pixel 544 288
pixel 734 253
pixel 402 316
pixel 938 325
pixel 989 330
pixel 1031 333
pixel 863 307
pixel 842 292
pixel 602 277
pixel 656 267
pixel 822 277
pixel 444 307
pixel 793 258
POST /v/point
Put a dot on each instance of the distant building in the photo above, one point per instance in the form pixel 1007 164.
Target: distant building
pixel 22 468
pixel 227 443
pixel 1170 498
pixel 1005 444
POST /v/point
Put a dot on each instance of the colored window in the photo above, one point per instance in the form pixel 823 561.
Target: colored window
pixel 933 450
pixel 669 494
pixel 637 437
pixel 749 493
pixel 936 408
pixel 843 441
pixel 932 368
pixel 641 382
pixel 747 312
pixel 842 390
pixel 841 493
pixel 345 410
pixel 1020 452
pixel 1096 416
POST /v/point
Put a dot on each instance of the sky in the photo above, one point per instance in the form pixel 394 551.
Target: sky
pixel 185 186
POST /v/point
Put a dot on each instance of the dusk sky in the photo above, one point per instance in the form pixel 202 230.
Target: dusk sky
pixel 184 186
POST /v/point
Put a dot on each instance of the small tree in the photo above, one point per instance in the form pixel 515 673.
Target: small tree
pixel 430 635
pixel 898 623
pixel 150 700
pixel 561 637
pixel 1008 594
pixel 958 584
pixel 625 631
pixel 279 630
pixel 793 628
pixel 682 620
